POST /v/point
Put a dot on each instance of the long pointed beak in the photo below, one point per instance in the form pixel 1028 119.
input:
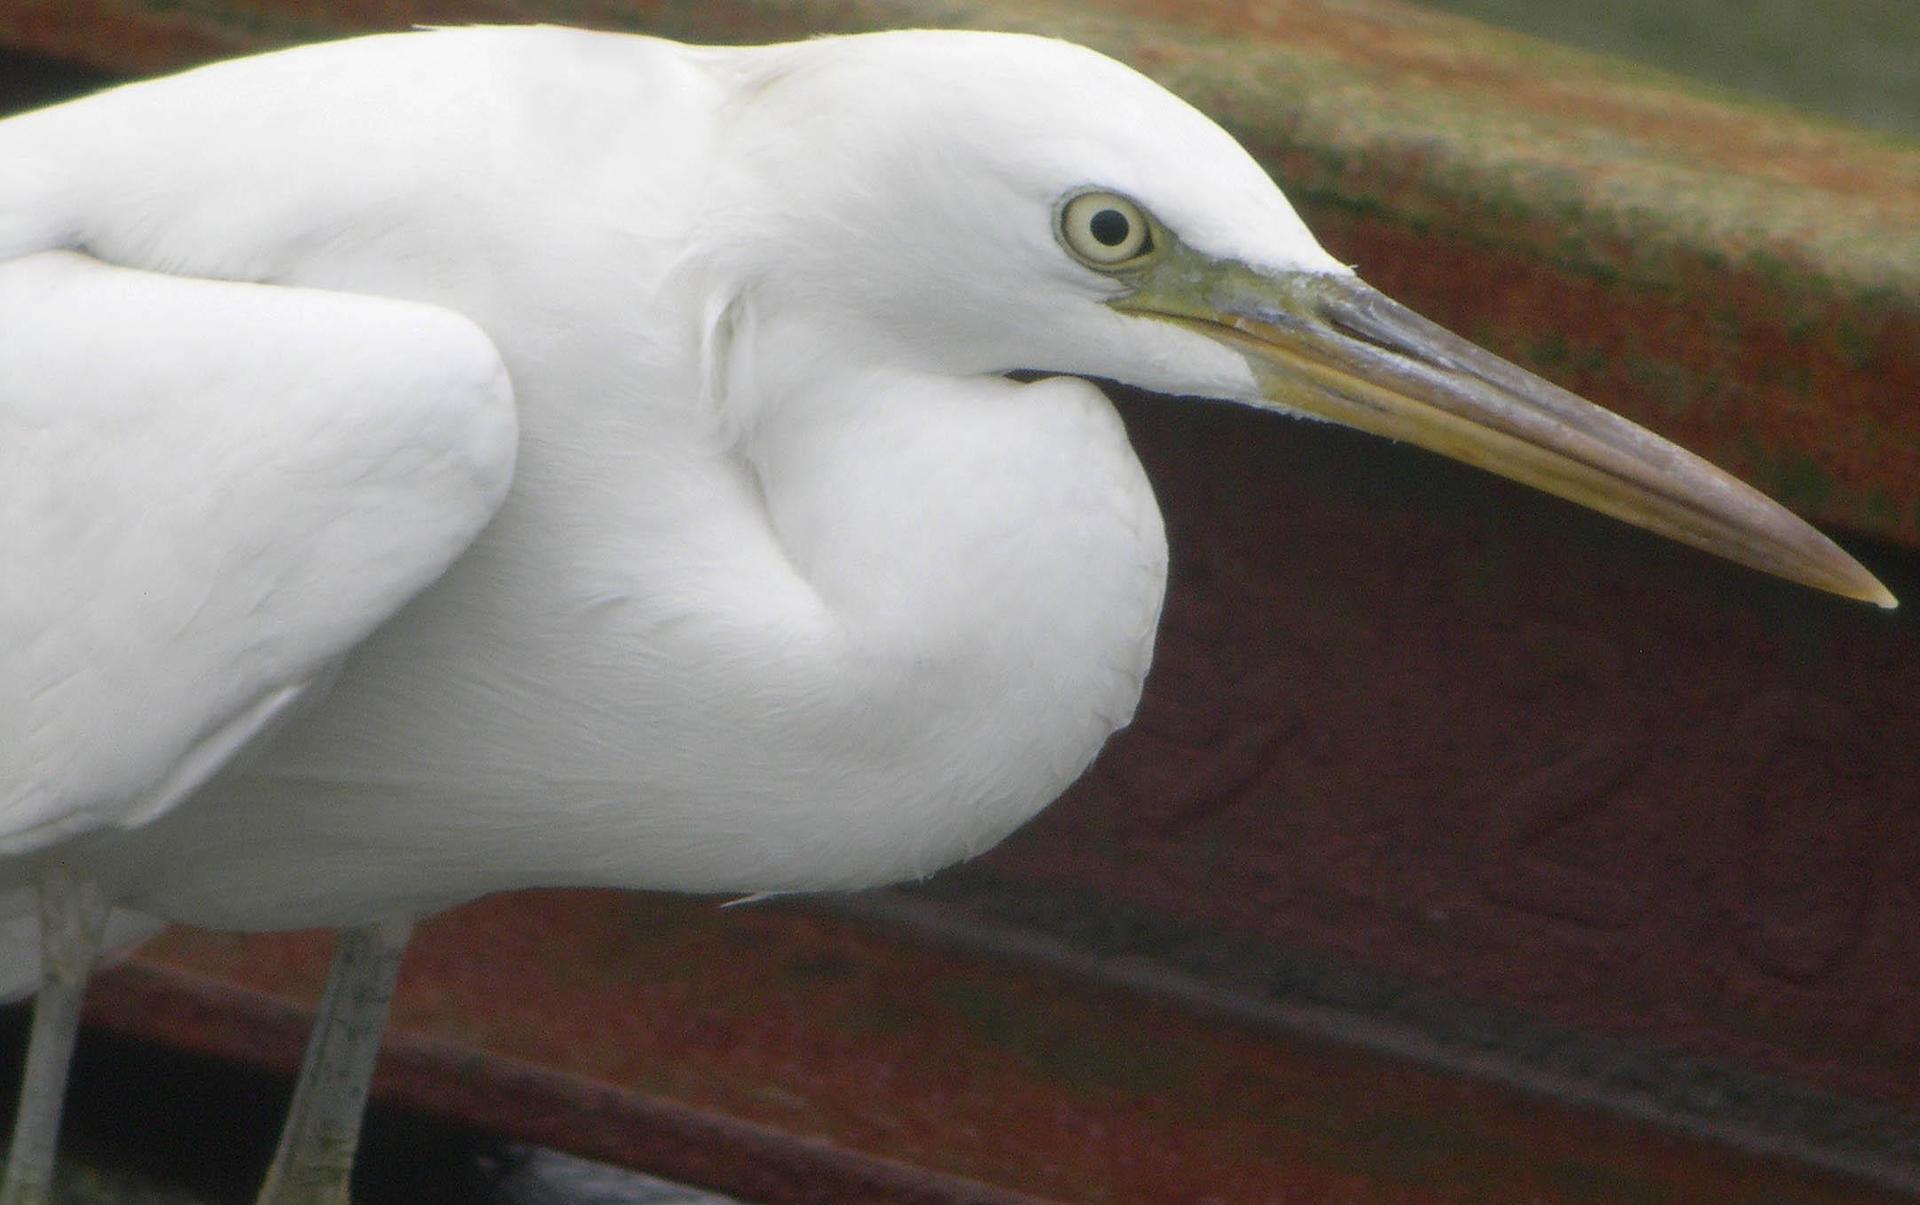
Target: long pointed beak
pixel 1332 347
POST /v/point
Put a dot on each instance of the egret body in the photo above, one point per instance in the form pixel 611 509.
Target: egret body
pixel 446 462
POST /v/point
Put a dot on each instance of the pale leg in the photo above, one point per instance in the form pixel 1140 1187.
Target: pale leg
pixel 315 1159
pixel 73 915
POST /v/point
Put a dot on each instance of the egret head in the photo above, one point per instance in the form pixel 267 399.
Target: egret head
pixel 969 203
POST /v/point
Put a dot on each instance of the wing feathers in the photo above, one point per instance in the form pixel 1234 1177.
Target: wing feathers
pixel 208 492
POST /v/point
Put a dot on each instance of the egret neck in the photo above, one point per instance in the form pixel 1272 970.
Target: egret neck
pixel 995 560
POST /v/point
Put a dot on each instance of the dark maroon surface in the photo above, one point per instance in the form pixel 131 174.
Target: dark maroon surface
pixel 1430 725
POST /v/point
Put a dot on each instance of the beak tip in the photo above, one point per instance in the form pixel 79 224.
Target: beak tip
pixel 1867 588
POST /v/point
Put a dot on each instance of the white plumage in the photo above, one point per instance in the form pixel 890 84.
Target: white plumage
pixel 749 617
pixel 668 384
pixel 212 491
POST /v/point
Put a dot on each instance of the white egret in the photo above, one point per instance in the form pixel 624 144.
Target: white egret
pixel 669 384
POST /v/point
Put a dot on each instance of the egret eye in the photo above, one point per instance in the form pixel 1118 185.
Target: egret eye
pixel 1105 230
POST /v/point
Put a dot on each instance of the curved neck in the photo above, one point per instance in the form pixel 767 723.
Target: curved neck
pixel 992 551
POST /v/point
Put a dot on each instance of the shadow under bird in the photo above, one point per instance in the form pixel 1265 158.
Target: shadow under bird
pixel 453 461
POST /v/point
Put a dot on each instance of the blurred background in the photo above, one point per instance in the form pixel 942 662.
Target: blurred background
pixel 1854 60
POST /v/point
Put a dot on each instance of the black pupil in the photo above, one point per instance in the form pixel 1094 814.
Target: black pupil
pixel 1111 227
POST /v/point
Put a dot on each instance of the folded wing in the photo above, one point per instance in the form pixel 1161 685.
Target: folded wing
pixel 209 492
